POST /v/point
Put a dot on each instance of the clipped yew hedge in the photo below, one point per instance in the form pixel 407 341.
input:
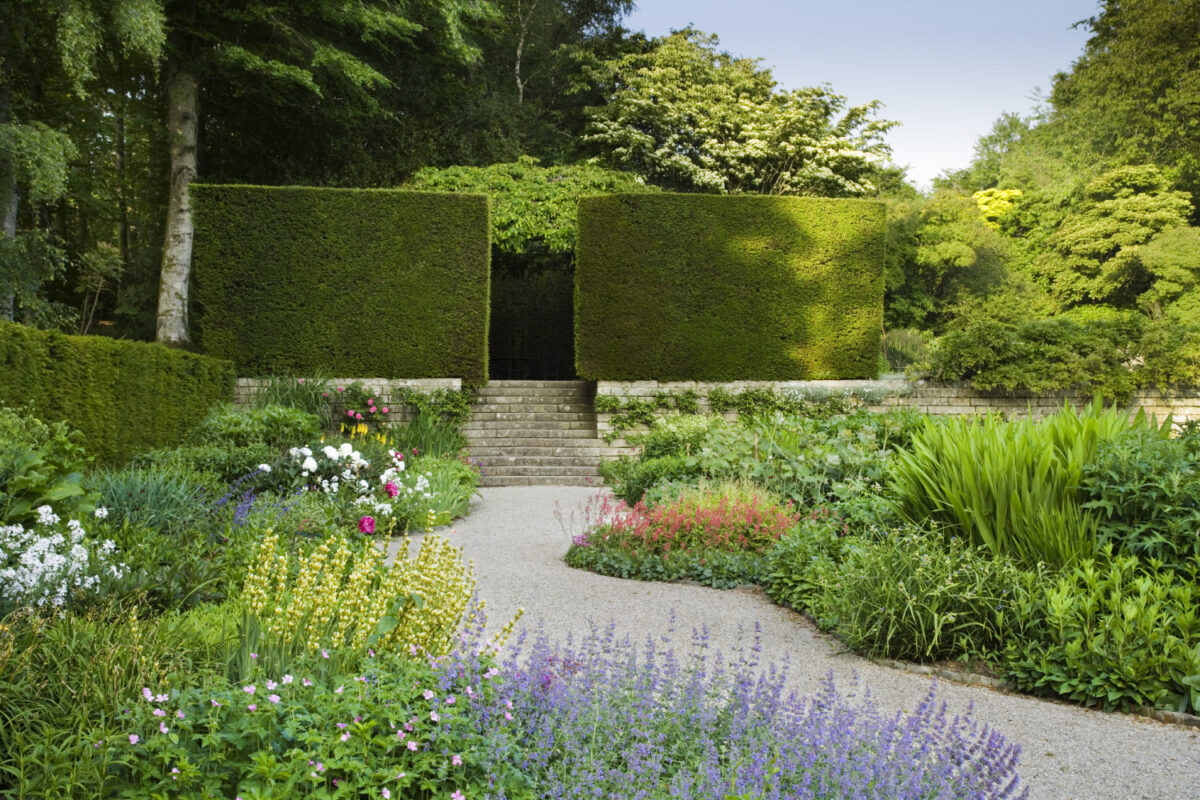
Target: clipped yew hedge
pixel 124 396
pixel 371 282
pixel 719 288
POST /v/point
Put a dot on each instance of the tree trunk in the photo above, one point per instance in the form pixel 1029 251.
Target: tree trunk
pixel 177 246
pixel 9 197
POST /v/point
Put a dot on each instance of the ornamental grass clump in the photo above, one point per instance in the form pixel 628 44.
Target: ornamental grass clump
pixel 611 719
pixel 727 516
pixel 343 598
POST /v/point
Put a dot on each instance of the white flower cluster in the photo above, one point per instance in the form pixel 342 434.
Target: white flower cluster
pixel 338 466
pixel 43 565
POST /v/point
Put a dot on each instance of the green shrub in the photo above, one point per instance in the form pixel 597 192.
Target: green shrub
pixel 698 287
pixel 278 427
pixel 1012 487
pixel 917 596
pixel 1040 355
pixel 802 458
pixel 40 465
pixel 630 478
pixel 224 463
pixel 676 435
pixel 805 561
pixel 1112 635
pixel 167 570
pixel 1144 488
pixel 357 282
pixel 123 396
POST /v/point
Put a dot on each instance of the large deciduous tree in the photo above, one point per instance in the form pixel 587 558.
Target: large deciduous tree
pixel 689 117
pixel 280 56
pixel 1096 256
pixel 1134 95
pixel 50 54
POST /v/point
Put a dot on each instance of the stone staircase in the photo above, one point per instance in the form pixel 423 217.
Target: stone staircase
pixel 535 433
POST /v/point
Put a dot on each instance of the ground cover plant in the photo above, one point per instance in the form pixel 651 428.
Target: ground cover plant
pixel 1059 554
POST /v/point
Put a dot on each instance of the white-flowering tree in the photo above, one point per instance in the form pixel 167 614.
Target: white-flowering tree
pixel 690 118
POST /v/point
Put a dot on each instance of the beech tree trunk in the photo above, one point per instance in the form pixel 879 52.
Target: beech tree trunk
pixel 9 197
pixel 182 125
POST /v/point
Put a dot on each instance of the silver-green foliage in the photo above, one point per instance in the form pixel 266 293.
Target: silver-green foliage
pixel 1011 486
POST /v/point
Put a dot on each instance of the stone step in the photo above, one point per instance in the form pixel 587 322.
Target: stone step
pixel 579 385
pixel 538 480
pixel 564 471
pixel 584 449
pixel 523 425
pixel 490 462
pixel 541 416
pixel 532 404
pixel 532 439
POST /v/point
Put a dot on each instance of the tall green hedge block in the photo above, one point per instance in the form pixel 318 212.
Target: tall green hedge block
pixel 704 287
pixel 124 396
pixel 368 282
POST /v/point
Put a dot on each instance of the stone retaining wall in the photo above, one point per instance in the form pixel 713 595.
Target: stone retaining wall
pixel 886 394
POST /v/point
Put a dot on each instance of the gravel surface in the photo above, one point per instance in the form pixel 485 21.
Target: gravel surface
pixel 517 544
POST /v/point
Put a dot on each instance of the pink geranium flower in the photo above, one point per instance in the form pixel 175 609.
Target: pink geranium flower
pixel 392 489
pixel 367 525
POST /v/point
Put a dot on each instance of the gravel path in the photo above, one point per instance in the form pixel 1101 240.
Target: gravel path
pixel 517 545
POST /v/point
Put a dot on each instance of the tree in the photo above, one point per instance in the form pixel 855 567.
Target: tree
pixel 690 118
pixel 49 54
pixel 1134 95
pixel 534 208
pixel 281 56
pixel 940 253
pixel 1095 257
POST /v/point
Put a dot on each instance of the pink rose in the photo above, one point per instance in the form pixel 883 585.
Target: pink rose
pixel 370 401
pixel 371 409
pixel 349 413
pixel 384 409
pixel 358 415
pixel 341 388
pixel 367 525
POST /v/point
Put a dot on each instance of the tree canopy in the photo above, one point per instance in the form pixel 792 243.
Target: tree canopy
pixel 688 117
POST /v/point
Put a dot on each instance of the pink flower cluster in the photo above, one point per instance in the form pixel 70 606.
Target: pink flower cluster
pixel 727 524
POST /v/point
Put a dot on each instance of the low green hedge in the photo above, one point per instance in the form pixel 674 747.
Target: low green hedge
pixel 700 287
pixel 124 396
pixel 379 283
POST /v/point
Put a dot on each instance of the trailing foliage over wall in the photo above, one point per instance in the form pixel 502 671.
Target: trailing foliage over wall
pixel 693 287
pixel 359 282
pixel 124 396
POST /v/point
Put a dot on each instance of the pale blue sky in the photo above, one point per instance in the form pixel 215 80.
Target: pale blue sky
pixel 946 69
